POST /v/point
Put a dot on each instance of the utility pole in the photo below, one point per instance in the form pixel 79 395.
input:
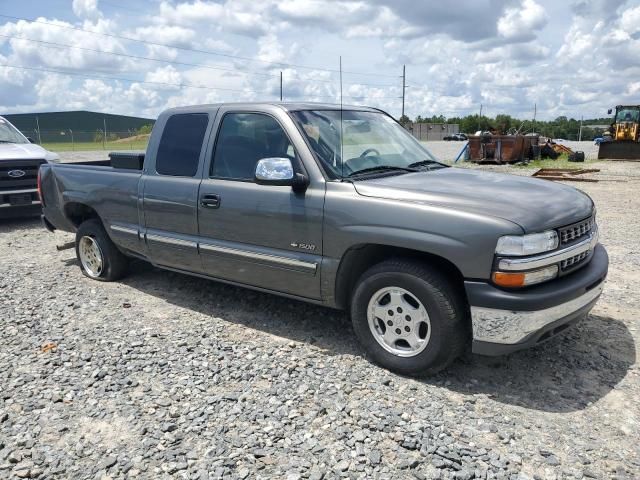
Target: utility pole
pixel 535 111
pixel 480 119
pixel 341 124
pixel 280 86
pixel 404 86
pixel 341 87
pixel 104 134
pixel 580 134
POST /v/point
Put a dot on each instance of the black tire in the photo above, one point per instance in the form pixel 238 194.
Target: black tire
pixel 442 301
pixel 114 263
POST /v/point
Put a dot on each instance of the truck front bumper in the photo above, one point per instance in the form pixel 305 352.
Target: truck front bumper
pixel 505 321
pixel 29 204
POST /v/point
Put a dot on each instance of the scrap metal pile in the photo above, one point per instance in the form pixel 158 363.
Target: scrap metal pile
pixel 503 149
pixel 488 148
pixel 566 174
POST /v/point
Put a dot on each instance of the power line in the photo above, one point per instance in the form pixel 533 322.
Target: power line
pixel 105 77
pixel 122 7
pixel 195 50
pixel 174 62
pixel 137 57
pixel 182 85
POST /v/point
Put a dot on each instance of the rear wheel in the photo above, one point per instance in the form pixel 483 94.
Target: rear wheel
pixel 99 258
pixel 409 317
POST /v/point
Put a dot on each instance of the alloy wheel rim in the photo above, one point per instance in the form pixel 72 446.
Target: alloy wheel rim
pixel 91 256
pixel 399 321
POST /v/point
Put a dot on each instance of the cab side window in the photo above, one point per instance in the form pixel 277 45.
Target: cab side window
pixel 180 144
pixel 245 138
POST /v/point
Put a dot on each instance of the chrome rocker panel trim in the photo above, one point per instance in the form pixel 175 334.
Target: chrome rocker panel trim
pixel 171 241
pixel 271 259
pixel 512 327
pixel 127 230
pixel 518 264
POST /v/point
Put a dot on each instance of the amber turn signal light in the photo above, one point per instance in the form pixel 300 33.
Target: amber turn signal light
pixel 522 279
pixel 509 279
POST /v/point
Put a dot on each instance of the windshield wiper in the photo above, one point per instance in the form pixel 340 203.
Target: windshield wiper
pixel 6 141
pixel 425 163
pixel 381 168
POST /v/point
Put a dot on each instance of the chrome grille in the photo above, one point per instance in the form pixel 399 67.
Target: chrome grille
pixel 576 231
pixel 574 261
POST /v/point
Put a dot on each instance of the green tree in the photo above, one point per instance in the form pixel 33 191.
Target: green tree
pixel 504 123
pixel 145 129
pixel 560 127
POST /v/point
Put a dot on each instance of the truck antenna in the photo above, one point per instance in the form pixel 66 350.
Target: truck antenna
pixel 341 128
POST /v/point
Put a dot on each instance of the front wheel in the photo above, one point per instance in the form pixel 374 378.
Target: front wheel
pixel 99 257
pixel 409 317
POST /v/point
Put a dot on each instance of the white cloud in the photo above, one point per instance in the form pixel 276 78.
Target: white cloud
pixel 245 17
pixel 166 74
pixel 167 34
pixel 506 54
pixel 520 23
pixel 630 20
pixel 86 9
pixel 218 45
pixel 633 89
pixel 88 56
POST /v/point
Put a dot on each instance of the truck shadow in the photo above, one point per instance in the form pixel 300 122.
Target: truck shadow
pixel 568 373
pixel 20 223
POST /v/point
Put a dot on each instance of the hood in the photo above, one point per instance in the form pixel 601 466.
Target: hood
pixel 25 151
pixel 532 203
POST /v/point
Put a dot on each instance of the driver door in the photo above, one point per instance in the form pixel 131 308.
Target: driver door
pixel 261 235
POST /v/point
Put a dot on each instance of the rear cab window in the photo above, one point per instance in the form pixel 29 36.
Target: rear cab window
pixel 181 143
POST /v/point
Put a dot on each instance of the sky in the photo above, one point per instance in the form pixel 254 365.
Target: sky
pixel 137 57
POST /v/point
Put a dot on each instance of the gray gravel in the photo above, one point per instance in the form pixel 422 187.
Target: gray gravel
pixel 163 375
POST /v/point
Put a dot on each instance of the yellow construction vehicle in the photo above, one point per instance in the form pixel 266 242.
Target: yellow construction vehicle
pixel 623 141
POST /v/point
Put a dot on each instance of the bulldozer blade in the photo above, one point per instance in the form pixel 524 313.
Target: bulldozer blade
pixel 619 151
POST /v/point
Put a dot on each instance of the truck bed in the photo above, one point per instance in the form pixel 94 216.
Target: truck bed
pixel 119 160
pixel 109 186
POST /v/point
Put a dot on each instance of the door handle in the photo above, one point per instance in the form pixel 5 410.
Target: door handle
pixel 210 201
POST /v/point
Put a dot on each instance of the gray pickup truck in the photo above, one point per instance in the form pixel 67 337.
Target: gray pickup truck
pixel 344 208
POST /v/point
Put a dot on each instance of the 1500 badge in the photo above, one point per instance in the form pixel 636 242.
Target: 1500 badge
pixel 304 246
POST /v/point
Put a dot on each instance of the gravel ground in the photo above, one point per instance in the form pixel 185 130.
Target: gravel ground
pixel 163 375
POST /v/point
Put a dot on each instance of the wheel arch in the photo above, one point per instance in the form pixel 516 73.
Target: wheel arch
pixel 359 258
pixel 78 212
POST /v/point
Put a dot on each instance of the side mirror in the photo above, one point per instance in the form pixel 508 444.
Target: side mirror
pixel 279 171
pixel 31 140
pixel 609 111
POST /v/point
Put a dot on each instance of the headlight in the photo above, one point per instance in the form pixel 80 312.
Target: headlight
pixel 519 245
pixel 523 279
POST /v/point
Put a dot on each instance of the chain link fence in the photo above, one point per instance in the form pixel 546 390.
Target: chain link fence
pixel 75 140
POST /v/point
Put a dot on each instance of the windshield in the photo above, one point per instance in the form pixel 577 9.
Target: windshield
pixel 369 141
pixel 8 133
pixel 627 114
